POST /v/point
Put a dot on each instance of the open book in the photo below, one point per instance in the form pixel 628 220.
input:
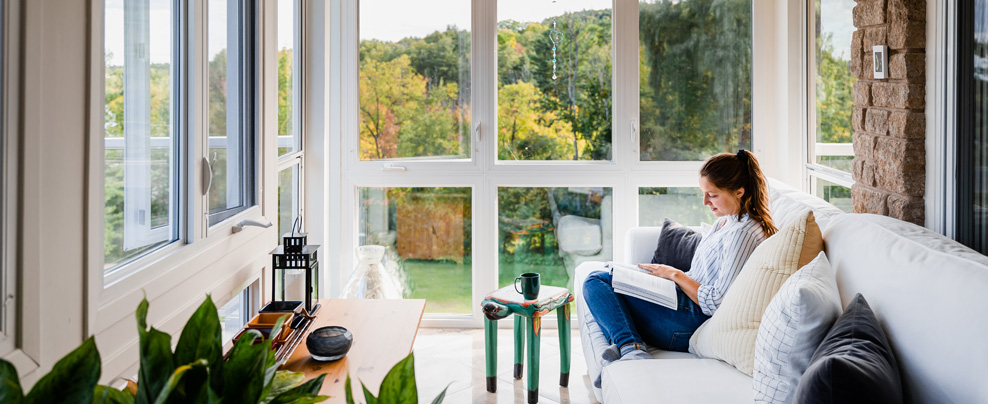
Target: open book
pixel 636 282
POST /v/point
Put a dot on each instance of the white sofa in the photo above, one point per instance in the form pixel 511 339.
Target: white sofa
pixel 929 293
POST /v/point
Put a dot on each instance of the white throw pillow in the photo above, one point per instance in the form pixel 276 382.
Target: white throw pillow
pixel 794 323
pixel 729 335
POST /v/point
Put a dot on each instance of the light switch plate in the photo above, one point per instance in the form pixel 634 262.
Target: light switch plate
pixel 880 61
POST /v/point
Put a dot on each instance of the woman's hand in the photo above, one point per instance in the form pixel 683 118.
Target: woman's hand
pixel 662 271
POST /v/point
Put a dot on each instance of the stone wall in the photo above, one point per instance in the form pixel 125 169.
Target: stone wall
pixel 889 120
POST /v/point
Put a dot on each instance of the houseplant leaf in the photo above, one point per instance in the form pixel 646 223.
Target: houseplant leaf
pixel 348 390
pixel 306 393
pixel 156 365
pixel 200 339
pixel 441 396
pixel 284 380
pixel 72 379
pixel 245 369
pixel 175 378
pixel 367 395
pixel 399 384
pixel 10 384
pixel 109 395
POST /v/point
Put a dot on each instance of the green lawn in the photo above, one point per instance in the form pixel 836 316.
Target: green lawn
pixel 447 285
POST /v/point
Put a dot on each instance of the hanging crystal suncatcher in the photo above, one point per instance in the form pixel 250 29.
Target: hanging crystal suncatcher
pixel 555 37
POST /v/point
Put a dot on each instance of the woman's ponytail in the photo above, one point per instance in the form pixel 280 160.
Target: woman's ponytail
pixel 735 171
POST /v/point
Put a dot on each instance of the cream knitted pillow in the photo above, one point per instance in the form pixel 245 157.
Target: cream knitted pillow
pixel 730 334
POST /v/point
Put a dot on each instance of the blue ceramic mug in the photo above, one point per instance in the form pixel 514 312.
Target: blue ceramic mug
pixel 530 283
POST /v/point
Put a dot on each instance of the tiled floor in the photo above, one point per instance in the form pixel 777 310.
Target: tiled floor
pixel 456 357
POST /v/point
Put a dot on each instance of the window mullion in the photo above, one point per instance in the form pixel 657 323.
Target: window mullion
pixel 626 123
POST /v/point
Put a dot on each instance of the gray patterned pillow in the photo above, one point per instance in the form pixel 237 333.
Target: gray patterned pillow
pixel 794 323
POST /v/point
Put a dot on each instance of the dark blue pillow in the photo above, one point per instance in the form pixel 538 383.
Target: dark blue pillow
pixel 677 243
pixel 853 364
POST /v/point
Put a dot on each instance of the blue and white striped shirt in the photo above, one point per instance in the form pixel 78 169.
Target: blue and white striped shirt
pixel 719 258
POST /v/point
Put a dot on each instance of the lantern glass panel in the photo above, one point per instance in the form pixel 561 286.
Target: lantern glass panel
pixel 294 284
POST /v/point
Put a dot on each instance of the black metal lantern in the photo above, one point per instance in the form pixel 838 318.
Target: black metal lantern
pixel 295 272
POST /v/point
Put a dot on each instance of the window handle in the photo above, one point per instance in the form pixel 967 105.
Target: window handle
pixel 247 222
pixel 388 167
pixel 634 136
pixel 207 175
pixel 478 135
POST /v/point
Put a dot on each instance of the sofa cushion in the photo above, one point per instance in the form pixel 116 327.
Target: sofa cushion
pixel 787 203
pixel 675 381
pixel 854 363
pixel 928 293
pixel 794 323
pixel 730 333
pixel 676 245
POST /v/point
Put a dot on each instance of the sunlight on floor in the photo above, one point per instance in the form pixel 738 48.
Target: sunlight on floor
pixel 456 357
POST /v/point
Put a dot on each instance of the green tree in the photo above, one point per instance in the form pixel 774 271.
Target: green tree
pixel 525 130
pixel 391 92
pixel 696 99
pixel 834 95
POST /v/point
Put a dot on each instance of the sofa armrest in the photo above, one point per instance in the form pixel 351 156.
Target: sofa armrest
pixel 639 244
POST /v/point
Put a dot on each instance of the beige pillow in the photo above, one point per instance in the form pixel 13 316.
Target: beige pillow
pixel 730 334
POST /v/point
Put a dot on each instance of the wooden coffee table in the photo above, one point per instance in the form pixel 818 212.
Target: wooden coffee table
pixel 383 334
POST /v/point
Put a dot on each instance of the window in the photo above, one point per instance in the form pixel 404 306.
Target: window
pixel 551 231
pixel 831 101
pixel 290 152
pixel 695 78
pixel 971 211
pixel 554 80
pixel 141 143
pixel 681 204
pixel 231 80
pixel 463 154
pixel 414 80
pixel 427 231
pixel 235 314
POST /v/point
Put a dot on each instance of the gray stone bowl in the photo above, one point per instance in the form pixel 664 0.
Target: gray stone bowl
pixel 329 343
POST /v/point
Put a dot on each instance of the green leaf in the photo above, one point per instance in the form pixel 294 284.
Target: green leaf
pixel 10 384
pixel 156 365
pixel 200 339
pixel 399 385
pixel 108 395
pixel 442 395
pixel 174 379
pixel 348 390
pixel 305 393
pixel 245 370
pixel 284 380
pixel 367 395
pixel 72 379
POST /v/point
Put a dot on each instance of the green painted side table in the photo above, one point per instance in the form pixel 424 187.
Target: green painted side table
pixel 506 301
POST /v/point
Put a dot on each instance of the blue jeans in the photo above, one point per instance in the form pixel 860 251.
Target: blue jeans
pixel 625 319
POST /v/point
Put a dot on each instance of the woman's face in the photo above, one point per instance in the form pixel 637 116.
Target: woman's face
pixel 721 201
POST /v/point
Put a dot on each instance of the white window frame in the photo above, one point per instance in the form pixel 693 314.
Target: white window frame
pixel 816 172
pixel 9 218
pixel 483 172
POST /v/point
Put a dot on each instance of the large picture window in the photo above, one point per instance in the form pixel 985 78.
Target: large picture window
pixel 140 128
pixel 495 138
pixel 554 80
pixel 414 79
pixel 695 78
